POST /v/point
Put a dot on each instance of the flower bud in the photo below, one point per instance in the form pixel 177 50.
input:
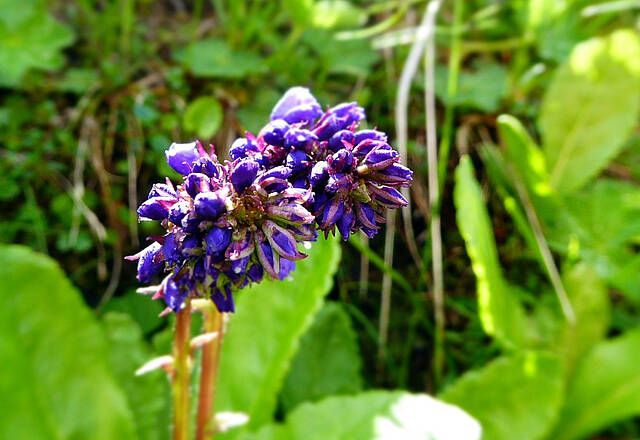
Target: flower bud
pixel 209 205
pixel 243 174
pixel 180 157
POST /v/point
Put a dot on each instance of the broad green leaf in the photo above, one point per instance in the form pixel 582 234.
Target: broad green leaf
pixel 140 308
pixel 332 14
pixel 379 415
pixel 301 11
pixel 524 155
pixel 592 307
pixel 604 240
pixel 29 39
pixel 264 334
pixel 605 388
pixel 213 58
pixel 328 360
pixel 55 381
pixel 515 397
pixel 483 88
pixel 501 313
pixel 148 395
pixel 203 116
pixel 590 108
pixel 350 57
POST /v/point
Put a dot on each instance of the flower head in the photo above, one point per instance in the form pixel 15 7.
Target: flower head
pixel 226 227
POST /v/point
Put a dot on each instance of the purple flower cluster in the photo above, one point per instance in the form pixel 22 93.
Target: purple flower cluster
pixel 228 225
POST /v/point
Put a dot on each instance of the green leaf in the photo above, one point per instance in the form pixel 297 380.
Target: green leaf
pixel 525 156
pixel 148 395
pixel 328 360
pixel 265 332
pixel 141 308
pixel 501 313
pixel 605 388
pixel 591 108
pixel 484 88
pixel 254 113
pixel 213 58
pixel 54 377
pixel 29 39
pixel 515 397
pixel 604 240
pixel 336 14
pixel 203 116
pixel 590 300
pixel 350 57
pixel 380 415
pixel 301 11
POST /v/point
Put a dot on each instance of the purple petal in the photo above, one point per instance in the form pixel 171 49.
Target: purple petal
pixel 338 140
pixel 192 246
pixel 240 266
pixel 303 113
pixel 286 267
pixel 381 158
pixel 148 266
pixel 241 147
pixel 171 251
pixel 370 134
pixel 224 302
pixel 156 208
pixel 175 295
pixel 387 196
pixel 345 223
pixel 270 260
pixel 241 246
pixel 331 213
pixel 255 272
pixel 243 174
pixel 364 147
pixel 292 98
pixel 205 165
pixel 319 173
pixel 162 190
pixel 282 241
pixel 290 214
pixel 196 183
pixel 366 215
pixel 299 138
pixel 273 133
pixel 190 222
pixel 298 161
pixel 177 212
pixel 217 240
pixel 339 181
pixel 180 157
pixel 396 174
pixel 209 205
pixel 341 161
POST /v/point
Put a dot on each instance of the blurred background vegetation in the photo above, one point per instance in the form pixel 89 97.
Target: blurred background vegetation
pixel 544 206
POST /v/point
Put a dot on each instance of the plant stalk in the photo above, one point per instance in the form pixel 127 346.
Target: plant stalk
pixel 213 322
pixel 181 373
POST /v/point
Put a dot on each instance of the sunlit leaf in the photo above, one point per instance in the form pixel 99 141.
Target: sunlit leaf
pixel 54 376
pixel 483 88
pixel 149 395
pixel 515 397
pixel 605 388
pixel 590 108
pixel 501 313
pixel 203 116
pixel 213 58
pixel 265 332
pixel 29 39
pixel 328 361
pixel 380 415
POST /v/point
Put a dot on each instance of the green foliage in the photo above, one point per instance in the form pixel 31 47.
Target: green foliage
pixel 142 310
pixel 501 314
pixel 203 117
pixel 29 39
pixel 590 108
pixel 148 395
pixel 265 332
pixel 213 58
pixel 604 388
pixel 55 379
pixel 379 415
pixel 483 88
pixel 328 360
pixel 512 397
